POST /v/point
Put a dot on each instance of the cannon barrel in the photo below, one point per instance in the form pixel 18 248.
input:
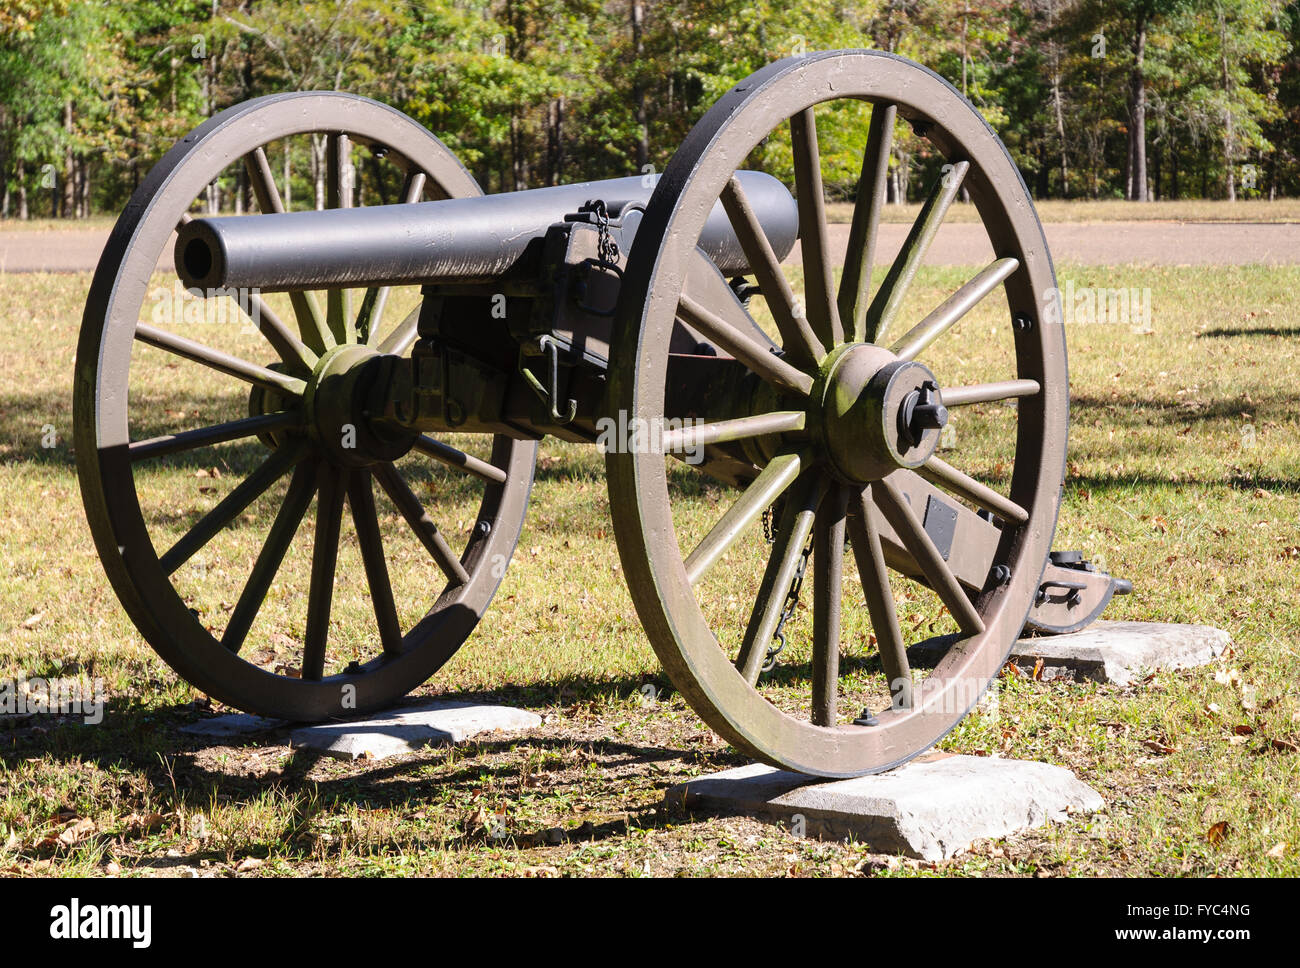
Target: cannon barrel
pixel 455 240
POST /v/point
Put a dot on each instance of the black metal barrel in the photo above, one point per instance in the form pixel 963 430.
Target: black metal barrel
pixel 455 240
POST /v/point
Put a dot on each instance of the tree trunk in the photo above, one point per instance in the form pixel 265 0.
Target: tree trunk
pixel 1060 134
pixel 1057 107
pixel 68 205
pixel 1137 127
pixel 518 155
pixel 318 168
pixel 23 213
pixel 1173 168
pixel 1228 133
pixel 638 88
pixel 83 203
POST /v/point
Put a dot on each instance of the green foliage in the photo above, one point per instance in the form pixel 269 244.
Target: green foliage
pixel 531 92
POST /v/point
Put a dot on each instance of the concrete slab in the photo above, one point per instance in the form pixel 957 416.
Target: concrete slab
pixel 409 728
pixel 1121 652
pixel 930 808
pixel 1114 652
pixel 233 724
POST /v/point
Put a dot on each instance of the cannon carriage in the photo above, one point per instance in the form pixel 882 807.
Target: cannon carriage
pixel 664 318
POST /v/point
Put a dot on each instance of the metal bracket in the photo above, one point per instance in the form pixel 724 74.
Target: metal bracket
pixel 548 347
pixel 590 265
pixel 1083 592
pixel 1075 589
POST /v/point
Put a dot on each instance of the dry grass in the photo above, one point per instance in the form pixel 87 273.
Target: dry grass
pixel 1112 210
pixel 1167 485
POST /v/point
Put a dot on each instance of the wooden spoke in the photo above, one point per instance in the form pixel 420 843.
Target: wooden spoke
pixel 409 505
pixel 870 557
pixel 800 343
pixel 946 476
pixel 819 286
pixel 220 361
pixel 889 298
pixel 331 484
pixel 338 194
pixel 399 340
pixel 870 202
pixel 371 318
pixel 244 494
pixel 310 321
pixel 372 309
pixel 741 428
pixel 446 454
pixel 828 595
pixel 989 392
pixel 908 526
pixel 743 346
pixel 216 434
pixel 285 343
pixel 361 499
pixel 301 488
pixel 924 333
pixel 771 481
pixel 787 552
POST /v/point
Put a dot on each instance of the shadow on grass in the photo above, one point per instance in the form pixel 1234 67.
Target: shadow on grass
pixel 1252 331
pixel 1126 410
pixel 148 742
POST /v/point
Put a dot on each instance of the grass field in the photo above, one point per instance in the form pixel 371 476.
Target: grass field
pixel 1113 210
pixel 1184 476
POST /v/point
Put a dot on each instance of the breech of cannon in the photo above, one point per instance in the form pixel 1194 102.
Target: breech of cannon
pixel 463 240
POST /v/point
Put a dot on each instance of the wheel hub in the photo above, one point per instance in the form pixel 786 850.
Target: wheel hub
pixel 877 413
pixel 337 418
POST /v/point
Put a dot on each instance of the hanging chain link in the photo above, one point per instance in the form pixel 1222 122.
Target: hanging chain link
pixel 606 248
pixel 791 597
pixel 791 603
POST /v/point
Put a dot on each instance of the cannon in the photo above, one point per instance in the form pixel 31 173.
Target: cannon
pixel 773 413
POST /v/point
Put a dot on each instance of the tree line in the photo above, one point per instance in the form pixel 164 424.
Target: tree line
pixel 1137 99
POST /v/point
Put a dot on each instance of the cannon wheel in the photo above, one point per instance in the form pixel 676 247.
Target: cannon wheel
pixel 290 397
pixel 844 433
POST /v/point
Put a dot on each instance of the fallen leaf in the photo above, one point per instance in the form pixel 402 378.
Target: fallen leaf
pixel 1228 677
pixel 1285 746
pixel 1243 730
pixel 1277 850
pixel 143 824
pixel 1159 748
pixel 77 831
pixel 1217 832
pixel 33 620
pixel 248 864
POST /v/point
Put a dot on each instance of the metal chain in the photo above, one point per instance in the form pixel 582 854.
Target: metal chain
pixel 791 603
pixel 606 248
